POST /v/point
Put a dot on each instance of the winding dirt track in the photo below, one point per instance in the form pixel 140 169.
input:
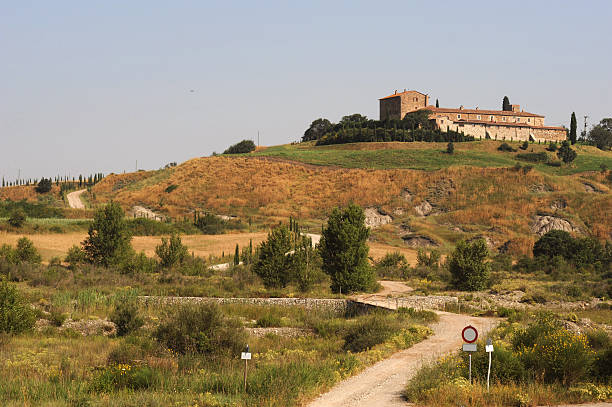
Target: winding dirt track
pixel 381 385
pixel 74 199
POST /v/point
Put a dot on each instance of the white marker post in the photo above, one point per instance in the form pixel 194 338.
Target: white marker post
pixel 246 356
pixel 470 335
pixel 489 349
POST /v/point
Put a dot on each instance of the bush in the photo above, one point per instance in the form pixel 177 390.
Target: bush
pixel 75 257
pixel 392 265
pixel 540 157
pixel 26 252
pixel 371 331
pixel 269 320
pixel 507 365
pixel 109 239
pixel 170 188
pixel 450 148
pixel 17 218
pixel 44 186
pixel 200 328
pixel 16 316
pixel 171 252
pixel 524 145
pixel 565 153
pixel 137 263
pixel 245 146
pixel 125 316
pixel 125 376
pixel 505 147
pixel 467 265
pixel 552 147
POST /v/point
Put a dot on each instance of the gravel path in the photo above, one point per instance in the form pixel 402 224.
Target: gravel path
pixel 382 384
pixel 74 199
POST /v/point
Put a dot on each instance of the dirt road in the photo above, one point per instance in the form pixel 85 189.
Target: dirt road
pixel 382 384
pixel 74 199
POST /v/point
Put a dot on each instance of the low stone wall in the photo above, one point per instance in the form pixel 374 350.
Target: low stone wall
pixel 420 302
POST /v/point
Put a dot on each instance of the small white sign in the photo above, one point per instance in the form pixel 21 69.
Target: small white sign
pixel 489 348
pixel 246 356
pixel 469 347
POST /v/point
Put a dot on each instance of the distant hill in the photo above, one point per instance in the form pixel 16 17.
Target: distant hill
pixel 430 197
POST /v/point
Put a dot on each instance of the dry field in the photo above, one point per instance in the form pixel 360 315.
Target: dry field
pixel 51 245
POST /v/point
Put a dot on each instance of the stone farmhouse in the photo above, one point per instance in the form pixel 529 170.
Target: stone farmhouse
pixel 513 124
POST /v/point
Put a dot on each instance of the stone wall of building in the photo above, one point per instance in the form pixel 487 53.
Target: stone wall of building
pixel 500 132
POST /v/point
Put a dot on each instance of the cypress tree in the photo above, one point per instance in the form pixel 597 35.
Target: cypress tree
pixel 573 128
pixel 437 103
pixel 237 255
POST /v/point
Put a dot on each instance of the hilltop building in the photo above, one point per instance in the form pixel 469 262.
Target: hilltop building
pixel 514 124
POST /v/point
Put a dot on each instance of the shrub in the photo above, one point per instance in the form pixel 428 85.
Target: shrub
pixel 171 251
pixel 269 320
pixel 450 148
pixel 75 257
pixel 25 252
pixel 7 253
pixel 137 263
pixel 602 368
pixel 392 265
pixel 125 353
pixel 554 243
pixel 125 316
pixel 505 147
pixel 200 328
pixel 432 260
pixel 467 265
pixel 552 147
pixel 245 146
pixel 507 365
pixel 17 218
pixel 125 376
pixel 44 186
pixel 170 188
pixel 565 153
pixel 524 145
pixel 370 331
pixel 16 316
pixel 540 157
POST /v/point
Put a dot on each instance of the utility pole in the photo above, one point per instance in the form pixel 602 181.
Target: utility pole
pixel 257 138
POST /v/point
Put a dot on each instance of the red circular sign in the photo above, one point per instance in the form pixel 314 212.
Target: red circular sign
pixel 469 334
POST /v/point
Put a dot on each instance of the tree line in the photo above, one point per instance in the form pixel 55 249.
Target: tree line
pixel 44 184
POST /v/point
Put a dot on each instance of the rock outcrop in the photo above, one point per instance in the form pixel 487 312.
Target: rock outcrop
pixel 375 217
pixel 544 224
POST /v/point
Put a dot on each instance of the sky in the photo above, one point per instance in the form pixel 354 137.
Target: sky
pixel 89 87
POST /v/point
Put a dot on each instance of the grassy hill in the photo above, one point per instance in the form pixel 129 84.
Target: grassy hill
pixel 478 191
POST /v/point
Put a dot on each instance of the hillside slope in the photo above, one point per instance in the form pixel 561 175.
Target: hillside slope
pixel 488 197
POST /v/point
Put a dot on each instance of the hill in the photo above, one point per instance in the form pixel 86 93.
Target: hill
pixel 430 197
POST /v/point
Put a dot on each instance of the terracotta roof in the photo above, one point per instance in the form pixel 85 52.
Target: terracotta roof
pixel 401 93
pixel 486 122
pixel 478 111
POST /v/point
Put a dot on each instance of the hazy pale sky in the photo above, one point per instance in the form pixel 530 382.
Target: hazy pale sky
pixel 94 86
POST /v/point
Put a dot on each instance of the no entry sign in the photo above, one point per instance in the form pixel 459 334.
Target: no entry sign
pixel 469 334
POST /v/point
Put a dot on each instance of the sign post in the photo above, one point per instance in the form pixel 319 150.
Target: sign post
pixel 470 335
pixel 246 356
pixel 489 349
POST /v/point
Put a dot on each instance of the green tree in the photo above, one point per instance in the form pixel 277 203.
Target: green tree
pixel 437 103
pixel 245 146
pixel 109 238
pixel 305 264
pixel 273 265
pixel 555 243
pixel 237 255
pixel 17 218
pixel 25 252
pixel 506 104
pixel 573 128
pixel 468 267
pixel 171 252
pixel 43 186
pixel 601 135
pixel 450 148
pixel 344 250
pixel 317 129
pixel 16 315
pixel 75 257
pixel 565 153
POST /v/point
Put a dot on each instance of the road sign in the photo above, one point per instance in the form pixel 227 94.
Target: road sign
pixel 469 334
pixel 489 347
pixel 470 347
pixel 245 356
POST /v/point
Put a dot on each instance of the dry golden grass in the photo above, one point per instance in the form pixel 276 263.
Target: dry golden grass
pixel 21 192
pixel 52 245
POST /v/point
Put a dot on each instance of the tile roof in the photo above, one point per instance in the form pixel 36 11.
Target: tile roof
pixel 486 122
pixel 478 111
pixel 401 93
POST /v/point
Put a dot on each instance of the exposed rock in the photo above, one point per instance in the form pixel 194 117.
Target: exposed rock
pixel 375 218
pixel 91 327
pixel 398 211
pixel 423 209
pixel 592 188
pixel 558 204
pixel 415 241
pixel 406 195
pixel 440 190
pixel 540 188
pixel 226 217
pixel 142 212
pixel 404 229
pixel 544 224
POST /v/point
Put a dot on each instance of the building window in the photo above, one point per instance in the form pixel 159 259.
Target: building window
pixel 504 118
pixel 529 120
pixel 518 119
pixel 458 116
pixel 491 118
pixel 478 117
